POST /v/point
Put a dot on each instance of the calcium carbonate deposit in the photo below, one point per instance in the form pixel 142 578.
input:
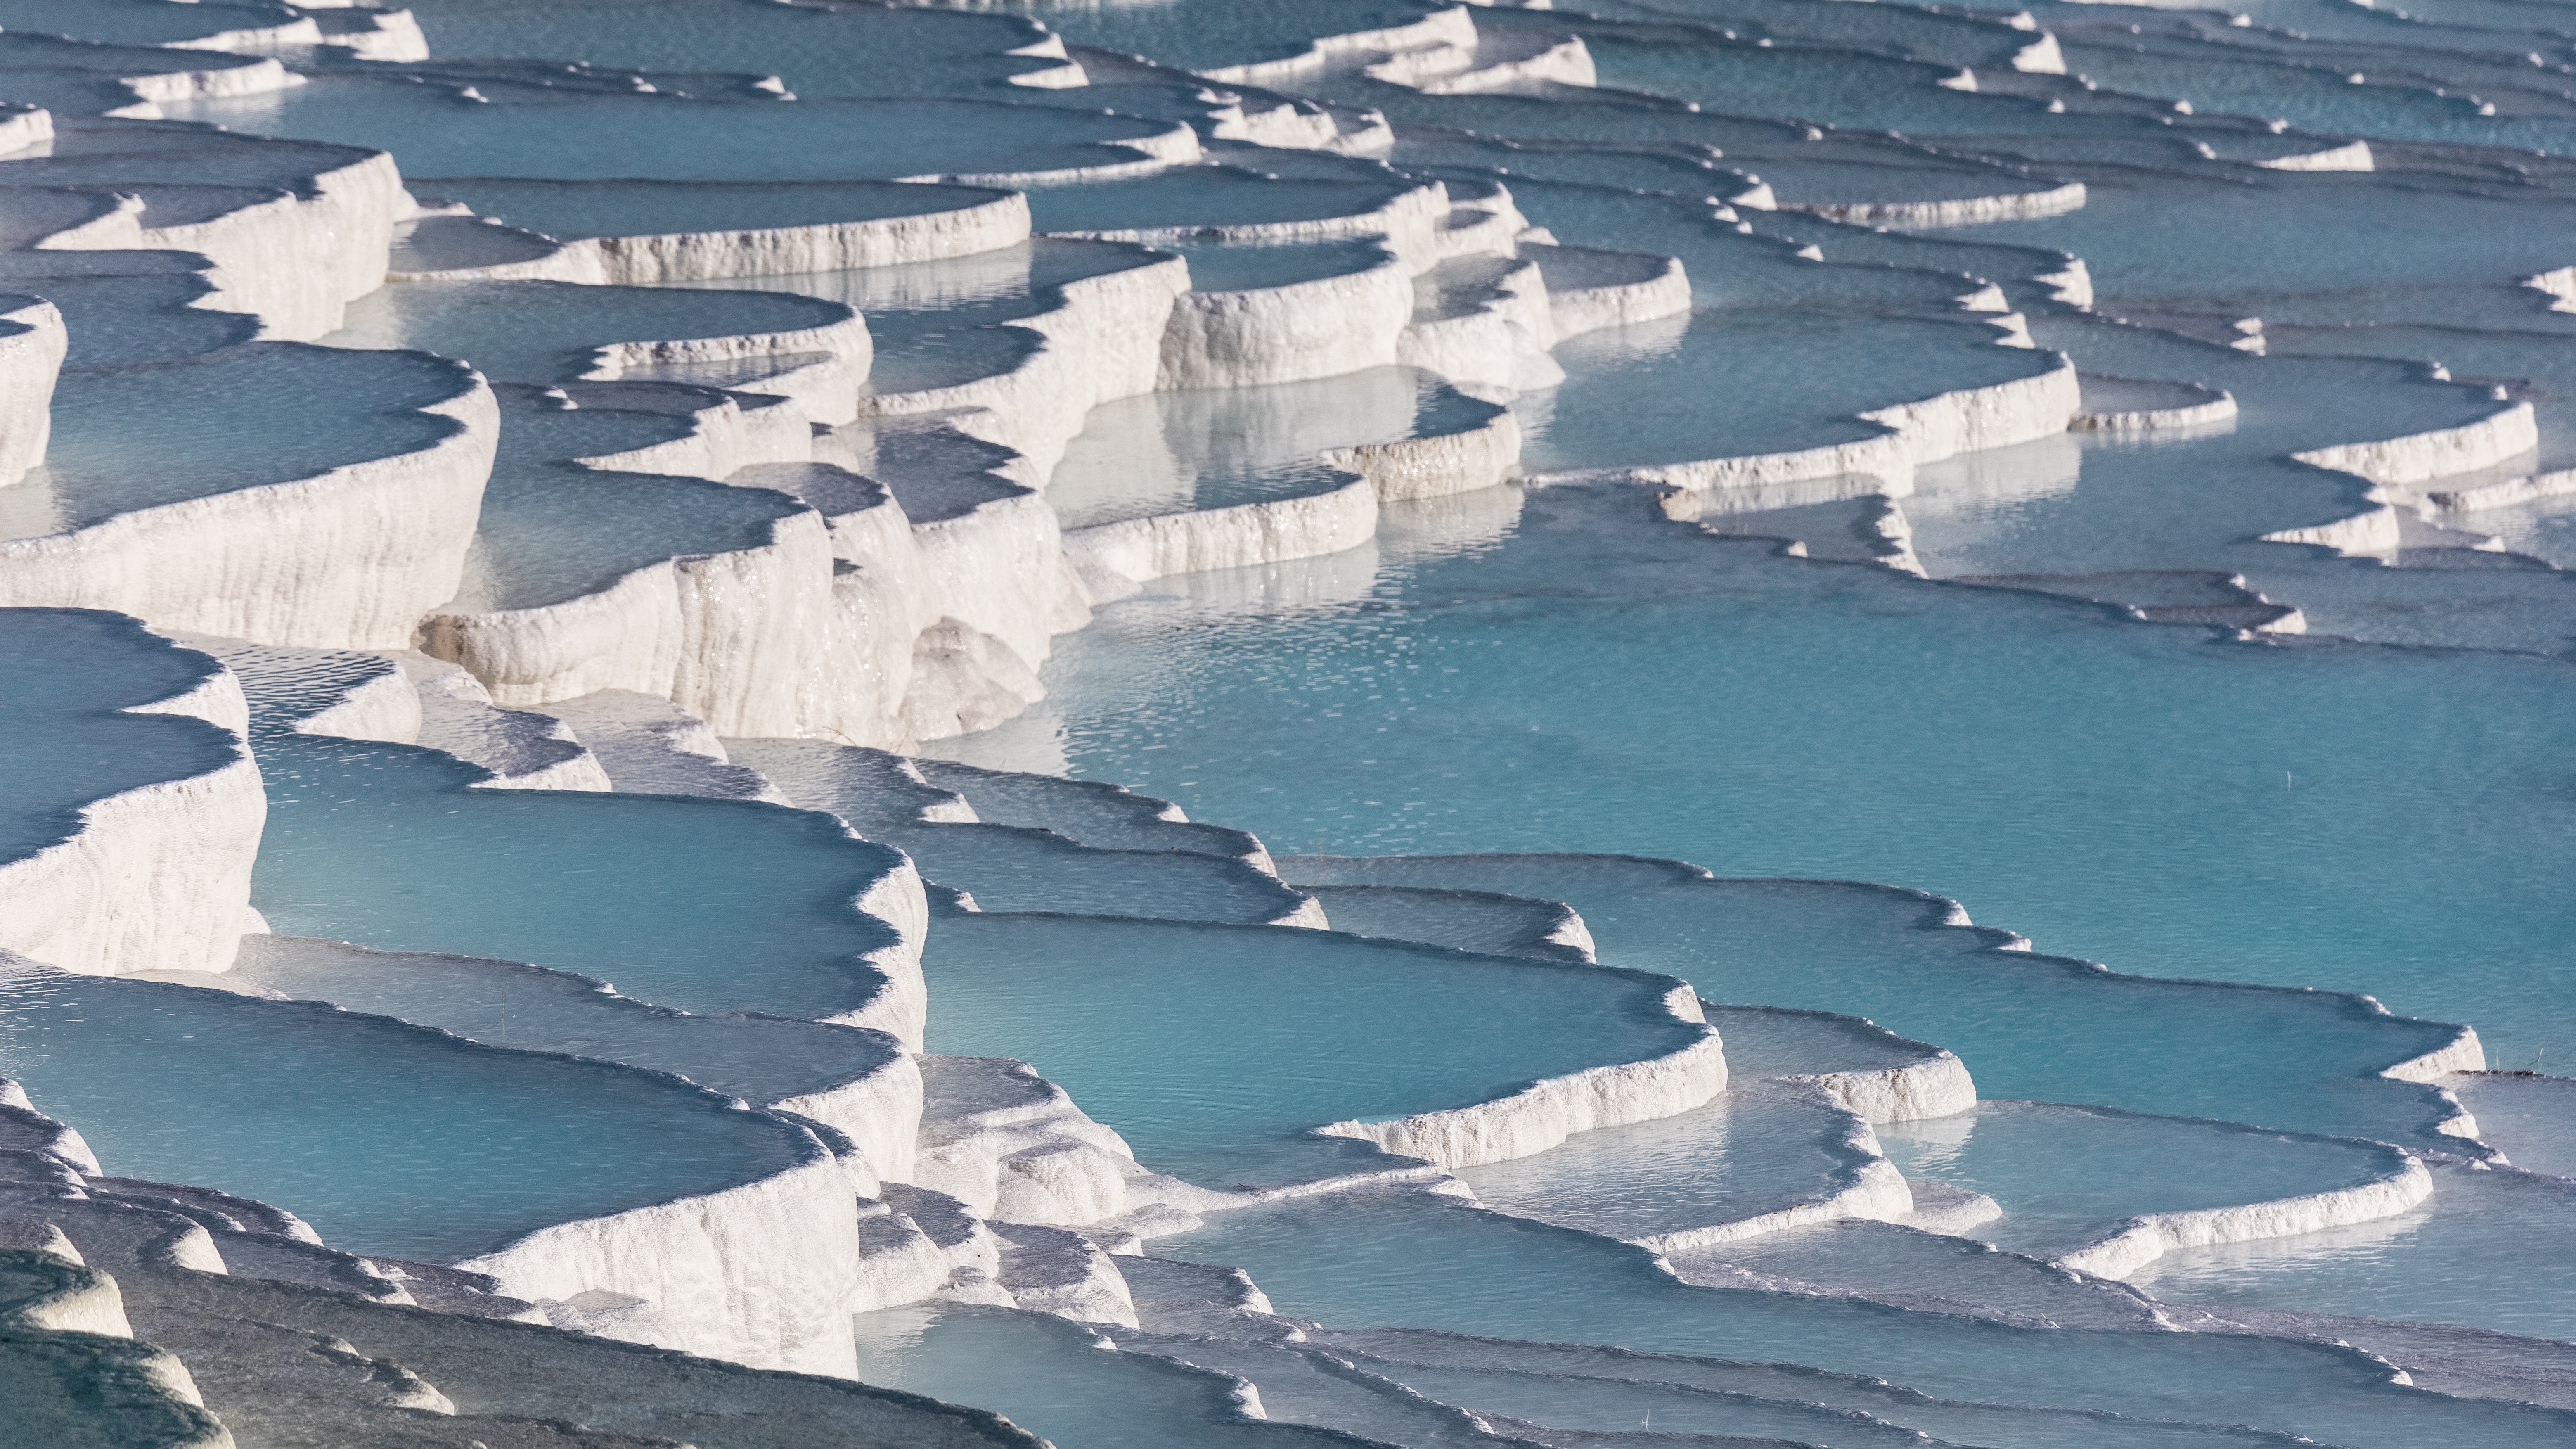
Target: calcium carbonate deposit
pixel 1141 724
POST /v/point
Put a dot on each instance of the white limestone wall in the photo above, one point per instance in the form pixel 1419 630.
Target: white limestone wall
pixel 838 246
pixel 646 745
pixel 1494 63
pixel 2150 1237
pixel 1501 338
pixel 1936 1086
pixel 2071 284
pixel 1410 225
pixel 1664 291
pixel 1104 341
pixel 1142 549
pixel 156 877
pixel 1928 431
pixel 727 636
pixel 256 40
pixel 2040 57
pixel 1492 228
pixel 350 558
pixel 2496 438
pixel 878 600
pixel 902 1009
pixel 524 750
pixel 1451 27
pixel 1286 125
pixel 1441 464
pixel 984 226
pixel 375 34
pixel 1955 211
pixel 1547 1112
pixel 1112 558
pixel 862 626
pixel 2350 156
pixel 1876 1193
pixel 2529 488
pixel 728 432
pixel 1319 328
pixel 1012 1146
pixel 244 77
pixel 2462 1053
pixel 880 1113
pixel 761 1274
pixel 23 127
pixel 30 360
pixel 996 568
pixel 295 261
pixel 2218 409
pixel 2559 284
pixel 1156 150
pixel 2396 466
pixel 829 394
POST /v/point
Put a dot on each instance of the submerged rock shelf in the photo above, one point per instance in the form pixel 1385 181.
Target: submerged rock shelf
pixel 753 724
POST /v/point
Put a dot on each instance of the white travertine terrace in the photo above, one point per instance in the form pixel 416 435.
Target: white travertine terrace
pixel 2560 285
pixel 2350 156
pixel 2398 467
pixel 1928 431
pixel 1104 341
pixel 1451 28
pixel 1483 320
pixel 1877 1192
pixel 1438 464
pixel 2406 1184
pixel 1547 1112
pixel 1935 1085
pixel 983 222
pixel 1955 211
pixel 1410 224
pixel 728 636
pixel 1143 549
pixel 1488 63
pixel 156 875
pixel 1012 1147
pixel 294 257
pixel 762 1274
pixel 909 589
pixel 2127 406
pixel 31 357
pixel 2528 488
pixel 1157 150
pixel 1317 328
pixel 1589 289
pixel 348 558
pixel 2499 437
